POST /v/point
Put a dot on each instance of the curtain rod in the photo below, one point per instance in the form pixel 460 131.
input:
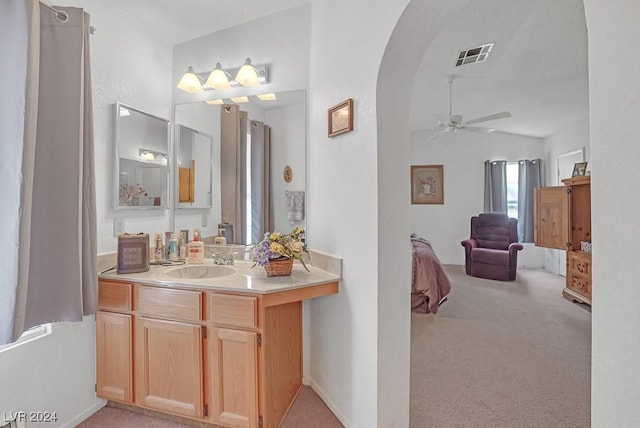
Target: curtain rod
pixel 63 16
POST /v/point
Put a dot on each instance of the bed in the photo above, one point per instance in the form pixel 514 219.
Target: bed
pixel 429 283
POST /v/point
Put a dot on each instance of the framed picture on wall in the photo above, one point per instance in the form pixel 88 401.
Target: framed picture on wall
pixel 427 184
pixel 579 169
pixel 340 118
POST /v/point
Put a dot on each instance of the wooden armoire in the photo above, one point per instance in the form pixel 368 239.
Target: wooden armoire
pixel 563 221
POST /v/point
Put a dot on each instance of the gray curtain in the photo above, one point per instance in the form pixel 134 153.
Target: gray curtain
pixel 57 254
pixel 233 155
pixel 495 186
pixel 529 177
pixel 261 210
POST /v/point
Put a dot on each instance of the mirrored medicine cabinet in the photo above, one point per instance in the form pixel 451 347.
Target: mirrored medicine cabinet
pixel 142 159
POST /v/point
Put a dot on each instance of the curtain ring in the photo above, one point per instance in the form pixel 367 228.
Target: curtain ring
pixel 227 108
pixel 62 16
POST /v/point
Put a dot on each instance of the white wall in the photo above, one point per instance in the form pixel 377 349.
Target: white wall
pixel 57 373
pixel 287 148
pixel 614 91
pixel 462 155
pixel 132 66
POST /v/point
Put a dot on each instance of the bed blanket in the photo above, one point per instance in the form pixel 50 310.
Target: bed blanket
pixel 429 283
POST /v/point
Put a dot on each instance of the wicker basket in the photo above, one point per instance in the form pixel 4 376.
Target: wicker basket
pixel 279 267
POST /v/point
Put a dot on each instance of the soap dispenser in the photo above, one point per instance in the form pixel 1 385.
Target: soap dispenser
pixel 220 239
pixel 196 250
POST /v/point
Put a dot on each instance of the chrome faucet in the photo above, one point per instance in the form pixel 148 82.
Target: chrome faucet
pixel 219 259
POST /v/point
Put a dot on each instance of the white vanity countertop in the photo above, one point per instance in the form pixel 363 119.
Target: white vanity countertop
pixel 245 278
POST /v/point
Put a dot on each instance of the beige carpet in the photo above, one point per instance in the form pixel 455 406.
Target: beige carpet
pixel 307 411
pixel 502 354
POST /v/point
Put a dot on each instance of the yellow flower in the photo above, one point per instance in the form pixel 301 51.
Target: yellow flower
pixel 275 236
pixel 296 246
pixel 277 248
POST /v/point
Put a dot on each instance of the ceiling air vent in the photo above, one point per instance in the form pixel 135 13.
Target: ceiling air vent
pixel 473 55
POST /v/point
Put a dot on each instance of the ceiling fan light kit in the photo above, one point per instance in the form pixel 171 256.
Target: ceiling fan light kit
pixel 455 122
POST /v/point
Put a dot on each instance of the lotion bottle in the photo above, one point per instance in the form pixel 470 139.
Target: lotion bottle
pixel 173 248
pixel 220 239
pixel 196 250
pixel 182 247
pixel 159 249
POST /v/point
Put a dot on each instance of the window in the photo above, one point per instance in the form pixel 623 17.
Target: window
pixel 512 189
pixel 29 335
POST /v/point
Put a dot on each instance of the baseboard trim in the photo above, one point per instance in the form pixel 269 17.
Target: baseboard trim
pixel 85 414
pixel 330 404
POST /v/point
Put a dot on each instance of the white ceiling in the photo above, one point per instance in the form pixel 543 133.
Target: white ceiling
pixel 537 69
pixel 177 21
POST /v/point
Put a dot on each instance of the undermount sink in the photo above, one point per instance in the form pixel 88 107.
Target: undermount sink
pixel 201 272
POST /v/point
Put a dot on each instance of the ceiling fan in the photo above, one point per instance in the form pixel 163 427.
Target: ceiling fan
pixel 454 122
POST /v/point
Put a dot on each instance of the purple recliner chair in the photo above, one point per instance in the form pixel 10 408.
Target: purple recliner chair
pixel 492 250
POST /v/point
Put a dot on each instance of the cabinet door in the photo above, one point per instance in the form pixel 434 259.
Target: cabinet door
pixel 114 379
pixel 168 357
pixel 551 227
pixel 234 381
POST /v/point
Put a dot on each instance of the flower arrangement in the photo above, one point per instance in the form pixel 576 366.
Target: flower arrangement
pixel 128 193
pixel 279 246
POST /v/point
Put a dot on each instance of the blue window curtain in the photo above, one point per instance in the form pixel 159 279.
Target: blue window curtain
pixel 529 177
pixel 495 186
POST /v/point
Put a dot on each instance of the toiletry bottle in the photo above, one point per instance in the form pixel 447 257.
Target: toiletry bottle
pixel 167 243
pixel 220 239
pixel 182 247
pixel 196 250
pixel 173 248
pixel 158 253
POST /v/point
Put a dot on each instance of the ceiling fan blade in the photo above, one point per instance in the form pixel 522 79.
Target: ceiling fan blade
pixel 444 131
pixel 495 116
pixel 477 129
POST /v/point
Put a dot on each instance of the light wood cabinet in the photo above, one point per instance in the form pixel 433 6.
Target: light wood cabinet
pixel 234 379
pixel 114 379
pixel 233 359
pixel 168 366
pixel 563 221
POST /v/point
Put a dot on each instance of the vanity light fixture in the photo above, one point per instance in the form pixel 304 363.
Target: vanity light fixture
pixel 190 82
pixel 218 78
pixel 217 102
pixel 247 75
pixel 240 100
pixel 267 97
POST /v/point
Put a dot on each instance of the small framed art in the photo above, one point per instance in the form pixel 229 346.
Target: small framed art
pixel 340 118
pixel 427 184
pixel 579 169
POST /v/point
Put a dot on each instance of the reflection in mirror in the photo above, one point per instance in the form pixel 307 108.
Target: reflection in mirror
pixel 194 159
pixel 142 161
pixel 240 192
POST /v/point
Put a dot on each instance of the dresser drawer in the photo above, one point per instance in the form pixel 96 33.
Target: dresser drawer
pixel 579 284
pixel 579 263
pixel 234 311
pixel 114 296
pixel 183 305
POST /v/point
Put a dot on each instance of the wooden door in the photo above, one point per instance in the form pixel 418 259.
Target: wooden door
pixel 114 378
pixel 551 228
pixel 234 381
pixel 168 357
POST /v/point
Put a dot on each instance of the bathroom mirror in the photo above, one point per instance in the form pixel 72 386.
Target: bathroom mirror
pixel 193 164
pixel 284 121
pixel 141 159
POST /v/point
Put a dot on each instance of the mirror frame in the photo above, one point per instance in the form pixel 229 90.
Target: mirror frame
pixel 176 180
pixel 116 140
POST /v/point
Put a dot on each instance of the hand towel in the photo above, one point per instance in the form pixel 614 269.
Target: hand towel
pixel 295 205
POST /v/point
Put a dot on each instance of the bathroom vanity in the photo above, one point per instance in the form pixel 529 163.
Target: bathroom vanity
pixel 215 345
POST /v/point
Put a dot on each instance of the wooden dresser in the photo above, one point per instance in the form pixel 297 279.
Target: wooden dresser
pixel 563 221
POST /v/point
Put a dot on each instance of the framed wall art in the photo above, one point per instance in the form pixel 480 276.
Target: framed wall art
pixel 427 184
pixel 579 169
pixel 340 118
